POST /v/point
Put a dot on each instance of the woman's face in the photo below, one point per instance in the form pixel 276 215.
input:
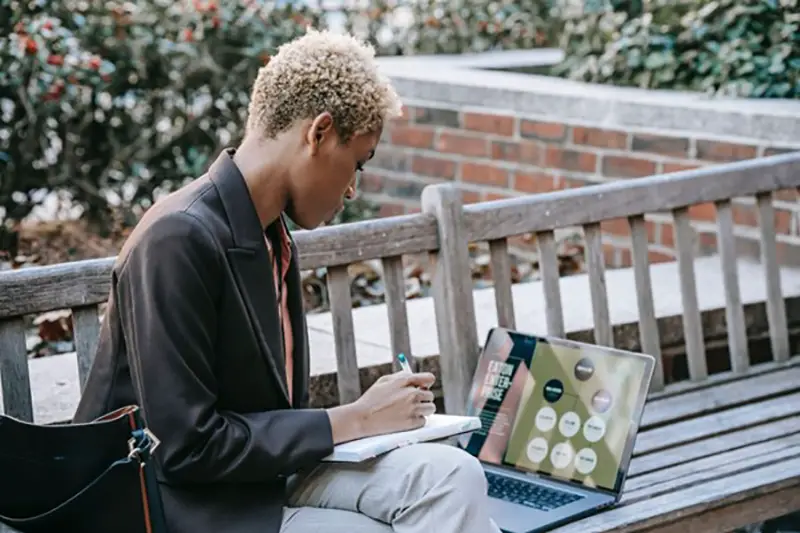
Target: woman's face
pixel 326 174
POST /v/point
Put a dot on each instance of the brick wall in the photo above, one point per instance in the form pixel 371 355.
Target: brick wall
pixel 494 155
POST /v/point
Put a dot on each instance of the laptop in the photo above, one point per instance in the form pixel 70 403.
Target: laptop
pixel 559 420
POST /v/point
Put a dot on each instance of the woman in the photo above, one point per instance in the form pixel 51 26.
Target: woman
pixel 222 353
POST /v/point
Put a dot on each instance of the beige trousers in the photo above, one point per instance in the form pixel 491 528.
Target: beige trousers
pixel 421 488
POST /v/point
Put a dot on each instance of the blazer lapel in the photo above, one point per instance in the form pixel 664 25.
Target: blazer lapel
pixel 251 266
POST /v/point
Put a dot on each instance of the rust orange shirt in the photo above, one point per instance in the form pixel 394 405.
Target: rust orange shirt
pixel 283 308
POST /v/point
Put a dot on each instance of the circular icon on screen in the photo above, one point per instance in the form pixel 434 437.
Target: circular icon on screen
pixel 601 401
pixel 585 461
pixel 594 429
pixel 537 450
pixel 584 369
pixel 545 419
pixel 569 424
pixel 553 390
pixel 562 454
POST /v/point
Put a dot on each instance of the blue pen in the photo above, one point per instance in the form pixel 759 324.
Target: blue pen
pixel 404 363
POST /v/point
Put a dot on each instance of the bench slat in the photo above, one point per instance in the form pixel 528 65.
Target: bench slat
pixel 39 289
pixel 653 194
pixel 86 325
pixel 14 374
pixel 603 334
pixel 734 312
pixel 716 423
pixel 395 287
pixel 690 472
pixel 348 380
pixel 661 411
pixel 776 311
pixel 548 265
pixel 710 446
pixel 712 504
pixel 692 326
pixel 648 325
pixel 501 276
pixel 344 244
pixel 453 299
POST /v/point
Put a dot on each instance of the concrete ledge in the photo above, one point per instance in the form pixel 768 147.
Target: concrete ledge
pixel 55 378
pixel 468 82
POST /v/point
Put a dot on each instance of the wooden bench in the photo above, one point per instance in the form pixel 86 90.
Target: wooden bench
pixel 715 453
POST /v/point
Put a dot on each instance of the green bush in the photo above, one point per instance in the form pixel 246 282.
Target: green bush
pixel 453 26
pixel 115 103
pixel 743 48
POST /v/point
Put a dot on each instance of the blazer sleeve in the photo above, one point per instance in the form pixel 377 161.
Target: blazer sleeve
pixel 166 291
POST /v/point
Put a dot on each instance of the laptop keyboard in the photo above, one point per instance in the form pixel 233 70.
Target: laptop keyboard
pixel 528 494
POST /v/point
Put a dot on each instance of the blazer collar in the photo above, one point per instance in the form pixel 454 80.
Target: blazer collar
pixel 245 226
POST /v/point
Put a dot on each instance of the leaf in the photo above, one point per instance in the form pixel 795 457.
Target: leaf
pixel 655 60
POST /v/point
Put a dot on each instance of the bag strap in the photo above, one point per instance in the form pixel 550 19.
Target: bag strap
pixel 141 447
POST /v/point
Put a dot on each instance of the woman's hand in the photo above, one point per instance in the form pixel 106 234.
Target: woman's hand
pixel 396 402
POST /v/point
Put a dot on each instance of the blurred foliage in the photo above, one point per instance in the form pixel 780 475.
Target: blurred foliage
pixel 743 48
pixel 113 103
pixel 453 26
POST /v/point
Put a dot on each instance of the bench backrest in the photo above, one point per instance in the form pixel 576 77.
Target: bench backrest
pixel 443 229
pixel 82 285
pixel 587 207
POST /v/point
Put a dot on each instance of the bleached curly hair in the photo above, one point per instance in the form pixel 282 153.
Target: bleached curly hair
pixel 318 72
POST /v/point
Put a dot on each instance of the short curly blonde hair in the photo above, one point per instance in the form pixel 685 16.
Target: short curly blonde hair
pixel 318 72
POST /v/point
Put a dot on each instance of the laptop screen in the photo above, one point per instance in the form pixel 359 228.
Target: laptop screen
pixel 556 407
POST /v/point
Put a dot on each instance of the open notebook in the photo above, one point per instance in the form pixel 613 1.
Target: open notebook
pixel 437 427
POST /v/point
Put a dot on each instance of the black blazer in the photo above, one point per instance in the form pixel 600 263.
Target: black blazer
pixel 192 299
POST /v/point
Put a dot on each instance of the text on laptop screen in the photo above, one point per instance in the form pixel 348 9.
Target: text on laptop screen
pixel 560 410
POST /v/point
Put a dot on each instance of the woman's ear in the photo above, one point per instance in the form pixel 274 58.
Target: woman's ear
pixel 321 127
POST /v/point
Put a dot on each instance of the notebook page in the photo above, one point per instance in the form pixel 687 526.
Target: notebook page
pixel 436 427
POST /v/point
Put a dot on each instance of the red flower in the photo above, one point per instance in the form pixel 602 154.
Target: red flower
pixel 56 60
pixel 48 25
pixel 30 46
pixel 188 35
pixel 54 92
pixel 94 63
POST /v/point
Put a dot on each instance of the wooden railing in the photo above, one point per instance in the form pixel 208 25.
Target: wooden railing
pixel 82 285
pixel 675 192
pixel 444 229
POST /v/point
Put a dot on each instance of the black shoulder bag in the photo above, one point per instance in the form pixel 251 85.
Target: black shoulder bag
pixel 95 477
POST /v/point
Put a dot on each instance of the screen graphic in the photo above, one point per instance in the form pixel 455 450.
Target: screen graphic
pixel 560 410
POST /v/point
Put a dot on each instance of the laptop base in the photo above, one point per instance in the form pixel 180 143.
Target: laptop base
pixel 518 518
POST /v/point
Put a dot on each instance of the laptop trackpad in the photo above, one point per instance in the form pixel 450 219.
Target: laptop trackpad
pixel 516 518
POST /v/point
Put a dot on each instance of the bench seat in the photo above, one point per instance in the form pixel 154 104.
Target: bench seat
pixel 711 458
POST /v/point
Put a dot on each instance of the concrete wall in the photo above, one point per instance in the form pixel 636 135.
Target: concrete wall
pixel 499 134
